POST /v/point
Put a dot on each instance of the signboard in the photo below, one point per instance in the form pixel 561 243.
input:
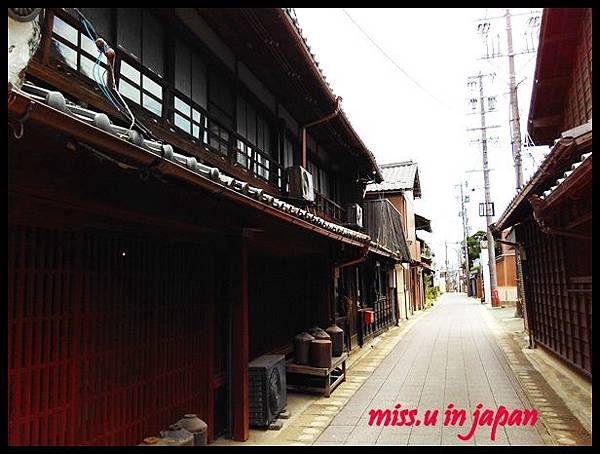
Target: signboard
pixel 486 209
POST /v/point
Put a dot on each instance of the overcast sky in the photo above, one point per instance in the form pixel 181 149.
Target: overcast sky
pixel 398 120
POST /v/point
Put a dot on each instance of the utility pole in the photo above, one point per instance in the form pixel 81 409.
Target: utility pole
pixel 463 215
pixel 515 122
pixel 514 106
pixel 488 198
pixel 465 235
pixel 447 269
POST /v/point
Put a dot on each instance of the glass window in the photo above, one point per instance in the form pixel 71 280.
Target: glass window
pixel 129 91
pixel 130 72
pixel 152 87
pixel 288 152
pixel 152 104
pixel 64 54
pixel 64 30
pixel 182 123
pixel 182 107
pixel 74 48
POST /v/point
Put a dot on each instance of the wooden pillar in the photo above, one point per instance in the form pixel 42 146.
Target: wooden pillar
pixel 330 272
pixel 210 283
pixel 240 346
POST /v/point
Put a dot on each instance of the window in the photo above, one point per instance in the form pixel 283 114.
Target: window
pixel 190 99
pixel 253 153
pixel 191 120
pixel 190 74
pixel 74 49
pixel 140 37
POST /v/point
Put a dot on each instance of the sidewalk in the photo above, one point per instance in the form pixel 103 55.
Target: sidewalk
pixel 568 410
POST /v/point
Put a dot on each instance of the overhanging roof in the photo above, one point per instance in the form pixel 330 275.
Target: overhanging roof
pixel 422 223
pixel 566 152
pixel 269 41
pixel 45 107
pixel 560 32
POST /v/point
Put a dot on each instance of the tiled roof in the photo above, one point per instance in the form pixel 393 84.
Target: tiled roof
pixel 100 120
pixel 566 175
pixel 398 176
pixel 567 137
pixel 291 13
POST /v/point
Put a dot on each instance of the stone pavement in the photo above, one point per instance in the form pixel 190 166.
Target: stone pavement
pixel 459 352
pixel 449 356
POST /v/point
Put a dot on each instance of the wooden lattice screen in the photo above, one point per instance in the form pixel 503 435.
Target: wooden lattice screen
pixel 106 336
pixel 560 306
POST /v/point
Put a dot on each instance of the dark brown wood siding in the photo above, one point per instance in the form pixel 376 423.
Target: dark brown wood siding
pixel 106 336
pixel 578 108
pixel 559 303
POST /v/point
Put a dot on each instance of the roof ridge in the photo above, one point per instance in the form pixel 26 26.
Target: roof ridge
pixel 398 164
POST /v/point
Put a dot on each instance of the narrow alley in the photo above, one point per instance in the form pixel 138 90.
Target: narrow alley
pixel 299 226
pixel 449 356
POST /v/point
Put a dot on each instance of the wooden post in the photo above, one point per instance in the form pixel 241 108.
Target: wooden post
pixel 240 348
pixel 210 283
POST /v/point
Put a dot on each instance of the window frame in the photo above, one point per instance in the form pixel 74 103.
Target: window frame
pixel 68 18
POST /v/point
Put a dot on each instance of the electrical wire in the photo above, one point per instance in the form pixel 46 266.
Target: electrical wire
pixel 412 79
pixel 116 101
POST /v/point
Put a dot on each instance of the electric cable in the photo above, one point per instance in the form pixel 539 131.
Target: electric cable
pixel 412 79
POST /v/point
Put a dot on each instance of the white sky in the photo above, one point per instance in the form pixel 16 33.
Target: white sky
pixel 398 121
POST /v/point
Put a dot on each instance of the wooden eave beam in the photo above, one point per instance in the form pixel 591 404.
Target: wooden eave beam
pixel 44 114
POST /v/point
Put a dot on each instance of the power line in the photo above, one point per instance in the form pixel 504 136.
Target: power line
pixel 412 79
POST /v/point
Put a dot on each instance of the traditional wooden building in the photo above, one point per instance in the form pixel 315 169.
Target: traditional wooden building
pixel 552 215
pixel 401 186
pixel 161 228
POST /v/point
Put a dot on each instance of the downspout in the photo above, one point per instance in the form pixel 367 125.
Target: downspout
pixel 309 125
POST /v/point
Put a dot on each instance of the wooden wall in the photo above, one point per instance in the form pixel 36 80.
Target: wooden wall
pixel 578 108
pixel 108 335
pixel 559 302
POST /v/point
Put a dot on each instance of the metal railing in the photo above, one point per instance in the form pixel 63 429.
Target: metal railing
pixel 329 208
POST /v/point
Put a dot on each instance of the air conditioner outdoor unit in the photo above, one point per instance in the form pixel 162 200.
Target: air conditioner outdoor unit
pixel 268 389
pixel 301 183
pixel 354 214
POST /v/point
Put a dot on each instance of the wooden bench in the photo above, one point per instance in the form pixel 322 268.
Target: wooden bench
pixel 330 377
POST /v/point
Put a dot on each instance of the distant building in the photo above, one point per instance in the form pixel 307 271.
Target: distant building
pixel 401 186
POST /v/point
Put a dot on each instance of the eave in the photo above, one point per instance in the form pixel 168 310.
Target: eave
pixel 21 105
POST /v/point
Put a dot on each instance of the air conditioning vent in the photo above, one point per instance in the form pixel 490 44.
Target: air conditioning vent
pixel 354 215
pixel 301 184
pixel 268 389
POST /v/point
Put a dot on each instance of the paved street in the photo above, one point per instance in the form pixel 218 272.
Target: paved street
pixel 449 356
